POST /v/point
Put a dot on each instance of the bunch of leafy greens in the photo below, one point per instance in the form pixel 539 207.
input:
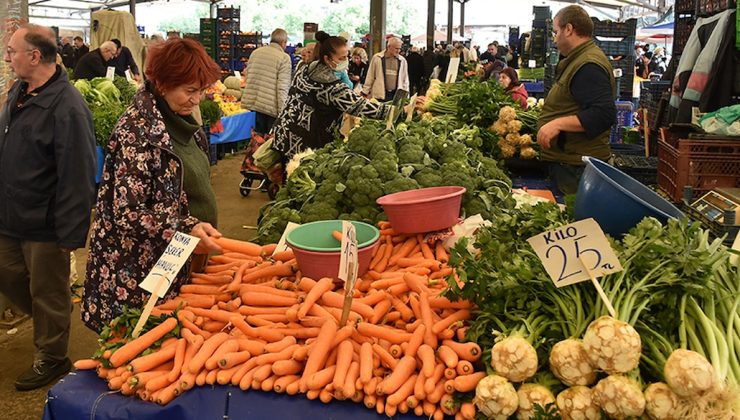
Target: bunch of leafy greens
pixel 121 329
pixel 678 288
pixel 105 119
pixel 210 112
pixel 344 180
pixel 127 89
pixel 106 103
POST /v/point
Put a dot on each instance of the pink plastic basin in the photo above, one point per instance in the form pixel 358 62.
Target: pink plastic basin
pixel 317 265
pixel 423 210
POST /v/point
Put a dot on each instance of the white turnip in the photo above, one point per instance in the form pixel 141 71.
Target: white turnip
pixel 661 403
pixel 576 403
pixel 612 345
pixel 514 359
pixel 619 397
pixel 689 374
pixel 496 397
pixel 569 362
pixel 531 395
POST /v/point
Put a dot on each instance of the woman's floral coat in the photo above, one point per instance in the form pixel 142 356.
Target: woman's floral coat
pixel 140 205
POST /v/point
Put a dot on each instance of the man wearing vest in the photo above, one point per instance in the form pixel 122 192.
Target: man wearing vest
pixel 579 109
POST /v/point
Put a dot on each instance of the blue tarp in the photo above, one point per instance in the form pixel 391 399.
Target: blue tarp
pixel 82 395
pixel 236 127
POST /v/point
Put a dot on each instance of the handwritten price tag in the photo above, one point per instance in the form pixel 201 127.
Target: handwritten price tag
pixel 110 73
pixel 565 251
pixel 282 243
pixel 348 257
pixel 169 264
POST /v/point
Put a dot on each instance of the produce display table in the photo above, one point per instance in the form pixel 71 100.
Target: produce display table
pixel 235 127
pixel 82 395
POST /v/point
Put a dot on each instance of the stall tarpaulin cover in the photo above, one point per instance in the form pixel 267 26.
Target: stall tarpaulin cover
pixel 109 24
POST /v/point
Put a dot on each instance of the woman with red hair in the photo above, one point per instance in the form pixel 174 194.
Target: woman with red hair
pixel 510 81
pixel 155 183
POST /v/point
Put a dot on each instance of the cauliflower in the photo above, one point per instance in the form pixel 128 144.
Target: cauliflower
pixel 507 114
pixel 514 126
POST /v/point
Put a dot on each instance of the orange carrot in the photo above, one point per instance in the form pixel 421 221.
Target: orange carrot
pixel 366 362
pixel 426 355
pixel 286 367
pixel 283 256
pixel 242 247
pixel 321 378
pixel 464 367
pixel 281 270
pixel 419 393
pixel 441 302
pixel 383 263
pixel 378 256
pixel 467 383
pixel 322 286
pixel 344 359
pixel 206 351
pixel 467 351
pixel 342 334
pixel 405 311
pixel 447 356
pixel 460 315
pixel 336 300
pixel 349 388
pixel 385 357
pixel 228 346
pixel 442 273
pixel 84 364
pixel 450 373
pixel 265 299
pixel 417 338
pixel 393 335
pixel 282 382
pixel 232 359
pixel 426 250
pixel 319 353
pixel 398 377
pixel 440 254
pixel 431 381
pixel 199 289
pixel 426 317
pixel 337 235
pixel 403 392
pixel 380 310
pixel 133 348
pixel 468 411
pixel 395 351
pixel 405 250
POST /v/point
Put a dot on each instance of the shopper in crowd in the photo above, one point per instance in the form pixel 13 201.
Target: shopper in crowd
pixel 80 49
pixel 388 72
pixel 67 52
pixel 489 55
pixel 358 67
pixel 579 109
pixel 155 182
pixel 416 70
pixel 509 79
pixel 95 63
pixel 155 39
pixel 268 81
pixel 124 60
pixel 317 100
pixel 173 35
pixel 306 55
pixel 47 188
pixel 659 62
pixel 443 63
pixel 492 70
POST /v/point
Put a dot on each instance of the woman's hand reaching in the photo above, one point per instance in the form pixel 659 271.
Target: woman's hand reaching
pixel 204 231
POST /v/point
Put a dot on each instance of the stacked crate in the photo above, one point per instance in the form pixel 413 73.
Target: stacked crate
pixel 208 36
pixel 541 36
pixel 228 26
pixel 246 43
pixel 617 40
pixel 684 21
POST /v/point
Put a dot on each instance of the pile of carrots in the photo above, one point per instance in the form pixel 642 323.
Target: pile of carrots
pixel 252 320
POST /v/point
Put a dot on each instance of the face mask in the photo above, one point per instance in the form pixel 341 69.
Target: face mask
pixel 342 65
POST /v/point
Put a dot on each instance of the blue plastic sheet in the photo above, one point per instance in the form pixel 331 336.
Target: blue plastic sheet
pixel 236 127
pixel 82 395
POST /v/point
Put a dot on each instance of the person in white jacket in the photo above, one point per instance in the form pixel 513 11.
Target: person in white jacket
pixel 388 72
pixel 268 80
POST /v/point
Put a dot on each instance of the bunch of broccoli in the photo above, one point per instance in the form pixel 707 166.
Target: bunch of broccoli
pixel 344 179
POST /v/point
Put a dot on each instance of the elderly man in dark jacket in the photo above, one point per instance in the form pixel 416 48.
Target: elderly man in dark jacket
pixel 95 63
pixel 47 188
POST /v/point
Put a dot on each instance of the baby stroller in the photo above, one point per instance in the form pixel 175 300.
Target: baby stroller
pixel 254 179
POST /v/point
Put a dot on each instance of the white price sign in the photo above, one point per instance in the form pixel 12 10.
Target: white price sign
pixel 282 243
pixel 169 264
pixel 110 73
pixel 572 252
pixel 452 70
pixel 348 257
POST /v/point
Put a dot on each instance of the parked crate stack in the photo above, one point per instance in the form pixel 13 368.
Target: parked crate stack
pixel 617 40
pixel 228 26
pixel 654 97
pixel 246 43
pixel 541 36
pixel 711 7
pixel 208 36
pixel 702 163
pixel 685 12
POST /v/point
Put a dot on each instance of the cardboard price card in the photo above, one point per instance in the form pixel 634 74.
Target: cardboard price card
pixel 282 243
pixel 566 250
pixel 348 257
pixel 169 264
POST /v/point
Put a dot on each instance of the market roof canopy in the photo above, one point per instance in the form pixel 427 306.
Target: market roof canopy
pixel 656 33
pixel 439 36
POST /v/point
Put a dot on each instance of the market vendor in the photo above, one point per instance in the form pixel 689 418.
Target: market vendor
pixel 317 99
pixel 95 63
pixel 155 182
pixel 579 109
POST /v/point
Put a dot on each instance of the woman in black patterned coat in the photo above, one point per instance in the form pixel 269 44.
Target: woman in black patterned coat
pixel 317 99
pixel 155 182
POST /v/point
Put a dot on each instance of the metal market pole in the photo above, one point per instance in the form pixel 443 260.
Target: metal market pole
pixel 430 25
pixel 377 25
pixel 132 8
pixel 450 3
pixel 462 18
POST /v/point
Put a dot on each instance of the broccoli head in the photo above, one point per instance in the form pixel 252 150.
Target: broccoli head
pixel 363 185
pixel 400 183
pixel 274 222
pixel 411 154
pixel 366 214
pixel 453 152
pixel 362 138
pixel 428 177
pixel 386 164
pixel 319 210
pixel 300 184
pixel 459 174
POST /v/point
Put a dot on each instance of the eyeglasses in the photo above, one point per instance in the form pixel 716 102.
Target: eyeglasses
pixel 11 52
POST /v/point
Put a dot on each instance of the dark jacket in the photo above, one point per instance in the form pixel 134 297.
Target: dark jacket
pixel 80 52
pixel 357 70
pixel 123 62
pixel 91 65
pixel 416 67
pixel 141 203
pixel 68 56
pixel 47 165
